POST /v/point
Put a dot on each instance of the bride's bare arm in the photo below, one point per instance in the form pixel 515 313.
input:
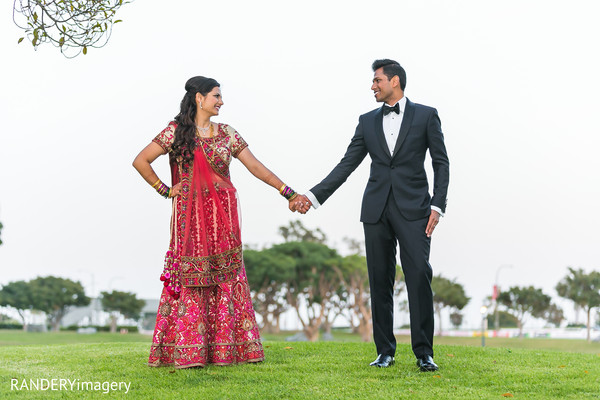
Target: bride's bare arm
pixel 257 169
pixel 142 165
pixel 145 158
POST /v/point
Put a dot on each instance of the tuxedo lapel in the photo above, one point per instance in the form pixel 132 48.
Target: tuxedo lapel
pixel 409 112
pixel 379 132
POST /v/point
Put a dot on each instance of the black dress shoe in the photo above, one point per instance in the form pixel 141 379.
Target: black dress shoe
pixel 426 364
pixel 383 361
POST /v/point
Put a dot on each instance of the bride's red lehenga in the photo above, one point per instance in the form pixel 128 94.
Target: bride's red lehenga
pixel 205 314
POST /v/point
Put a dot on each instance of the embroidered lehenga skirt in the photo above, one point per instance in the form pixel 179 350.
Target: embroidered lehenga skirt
pixel 205 313
pixel 207 325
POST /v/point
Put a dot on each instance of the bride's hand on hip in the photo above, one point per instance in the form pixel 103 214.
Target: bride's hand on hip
pixel 176 190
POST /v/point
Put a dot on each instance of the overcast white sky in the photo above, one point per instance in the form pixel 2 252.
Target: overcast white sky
pixel 516 85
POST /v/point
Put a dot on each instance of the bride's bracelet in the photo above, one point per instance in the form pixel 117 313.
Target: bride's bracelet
pixel 288 192
pixel 162 189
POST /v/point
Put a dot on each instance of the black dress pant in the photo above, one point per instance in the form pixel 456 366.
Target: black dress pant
pixel 380 243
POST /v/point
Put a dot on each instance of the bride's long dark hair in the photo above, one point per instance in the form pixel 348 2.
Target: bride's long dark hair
pixel 184 144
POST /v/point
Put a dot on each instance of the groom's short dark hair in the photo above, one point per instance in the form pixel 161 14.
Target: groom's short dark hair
pixel 391 68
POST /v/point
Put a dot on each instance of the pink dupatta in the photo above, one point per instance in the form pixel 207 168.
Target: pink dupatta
pixel 208 250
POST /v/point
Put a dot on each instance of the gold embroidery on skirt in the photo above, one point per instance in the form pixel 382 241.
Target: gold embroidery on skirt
pixel 181 310
pixel 201 328
pixel 211 270
pixel 247 324
pixel 165 309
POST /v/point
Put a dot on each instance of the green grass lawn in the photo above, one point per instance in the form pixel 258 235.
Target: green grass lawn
pixel 300 370
pixel 569 345
pixel 19 338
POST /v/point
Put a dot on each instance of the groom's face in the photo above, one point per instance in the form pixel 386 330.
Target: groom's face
pixel 382 86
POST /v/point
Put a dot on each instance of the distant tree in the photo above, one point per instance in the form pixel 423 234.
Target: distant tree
pixel 70 25
pixel 125 303
pixel 18 296
pixel 456 319
pixel 355 246
pixel 577 310
pixel 268 273
pixel 0 233
pixel 447 293
pixel 352 272
pixel 583 289
pixel 314 283
pixel 55 296
pixel 505 320
pixel 522 302
pixel 297 232
pixel 336 306
pixel 554 315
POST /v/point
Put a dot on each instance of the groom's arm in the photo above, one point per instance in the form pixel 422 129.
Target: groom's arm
pixel 439 161
pixel 355 153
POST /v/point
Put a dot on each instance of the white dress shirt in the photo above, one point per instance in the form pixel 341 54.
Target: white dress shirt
pixel 391 129
pixel 391 125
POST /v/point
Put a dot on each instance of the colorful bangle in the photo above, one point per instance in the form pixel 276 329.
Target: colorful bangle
pixel 156 183
pixel 163 189
pixel 288 192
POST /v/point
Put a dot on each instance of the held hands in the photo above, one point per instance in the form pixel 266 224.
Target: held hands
pixel 434 218
pixel 300 203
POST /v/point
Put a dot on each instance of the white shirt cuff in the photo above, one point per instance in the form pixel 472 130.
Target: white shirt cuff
pixel 313 199
pixel 434 208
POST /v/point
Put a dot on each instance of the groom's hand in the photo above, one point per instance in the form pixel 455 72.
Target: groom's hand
pixel 434 218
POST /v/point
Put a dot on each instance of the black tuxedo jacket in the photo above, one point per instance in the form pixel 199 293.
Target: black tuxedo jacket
pixel 404 172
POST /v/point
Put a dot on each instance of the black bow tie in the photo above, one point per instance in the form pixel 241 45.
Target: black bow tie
pixel 387 109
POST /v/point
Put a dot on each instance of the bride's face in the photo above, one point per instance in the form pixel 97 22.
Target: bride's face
pixel 211 103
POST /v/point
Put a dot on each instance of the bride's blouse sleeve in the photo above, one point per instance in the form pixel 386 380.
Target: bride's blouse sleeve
pixel 236 141
pixel 166 138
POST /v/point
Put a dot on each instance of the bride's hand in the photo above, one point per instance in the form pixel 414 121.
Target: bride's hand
pixel 300 204
pixel 176 190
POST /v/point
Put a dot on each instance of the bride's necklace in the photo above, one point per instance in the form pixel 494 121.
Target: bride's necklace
pixel 202 131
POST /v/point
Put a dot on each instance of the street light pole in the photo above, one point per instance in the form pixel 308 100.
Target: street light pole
pixel 495 295
pixel 483 311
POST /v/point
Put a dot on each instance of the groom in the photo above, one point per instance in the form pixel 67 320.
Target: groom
pixel 396 206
